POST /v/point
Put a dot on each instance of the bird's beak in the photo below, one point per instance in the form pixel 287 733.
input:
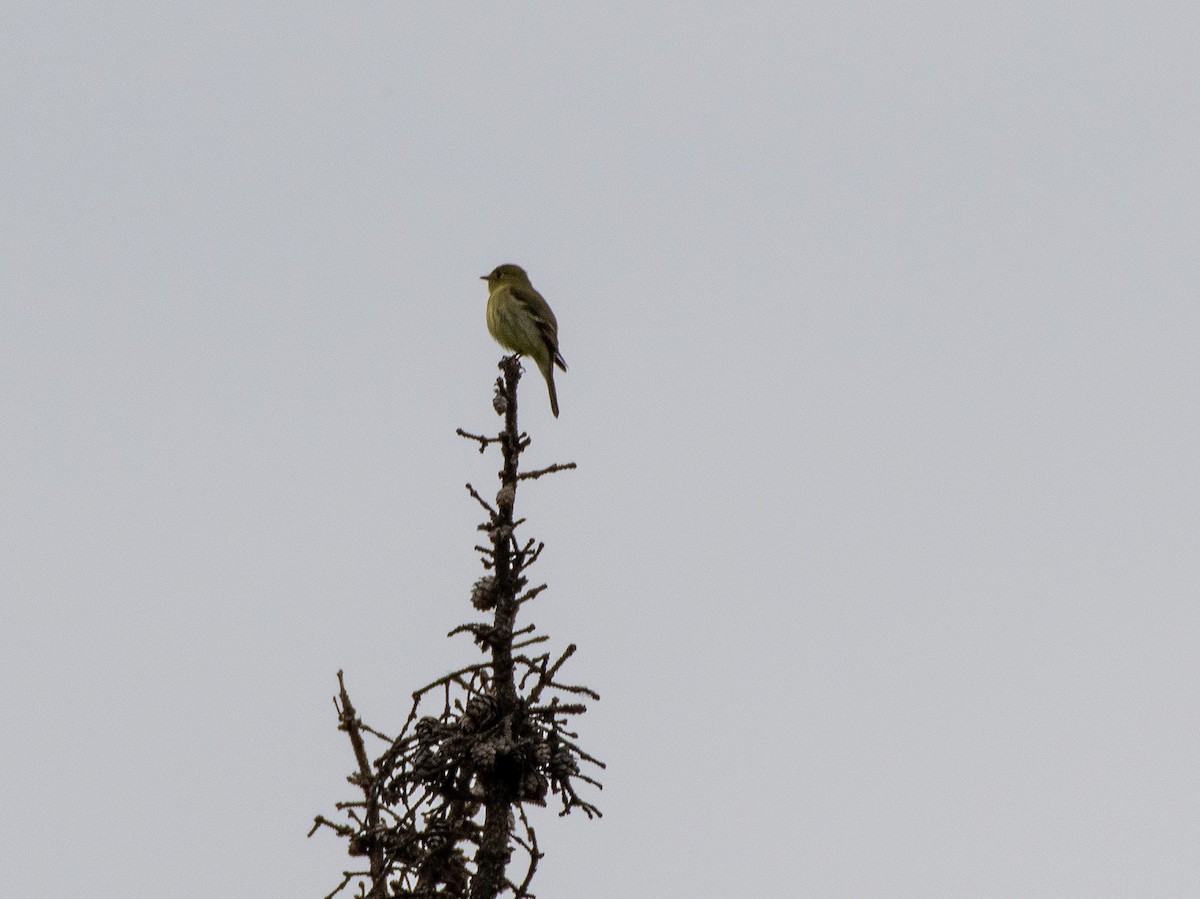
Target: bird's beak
pixel 483 277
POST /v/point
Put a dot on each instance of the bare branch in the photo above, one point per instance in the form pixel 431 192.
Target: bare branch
pixel 549 469
pixel 442 810
pixel 483 441
pixel 479 499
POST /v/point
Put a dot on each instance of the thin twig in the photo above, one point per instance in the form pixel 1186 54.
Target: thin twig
pixel 479 499
pixel 549 469
pixel 483 441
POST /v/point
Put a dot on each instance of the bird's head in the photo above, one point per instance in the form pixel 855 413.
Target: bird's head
pixel 506 274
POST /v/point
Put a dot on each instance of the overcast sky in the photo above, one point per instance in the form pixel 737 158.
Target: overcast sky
pixel 882 323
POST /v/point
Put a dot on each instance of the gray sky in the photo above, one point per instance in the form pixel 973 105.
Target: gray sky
pixel 882 322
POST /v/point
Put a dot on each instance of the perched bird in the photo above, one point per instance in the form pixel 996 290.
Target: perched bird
pixel 521 321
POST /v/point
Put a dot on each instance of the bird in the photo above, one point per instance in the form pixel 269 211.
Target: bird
pixel 520 319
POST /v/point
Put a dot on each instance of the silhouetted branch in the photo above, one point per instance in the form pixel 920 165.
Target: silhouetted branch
pixel 550 469
pixel 443 806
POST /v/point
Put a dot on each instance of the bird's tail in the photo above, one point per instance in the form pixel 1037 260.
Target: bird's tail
pixel 548 372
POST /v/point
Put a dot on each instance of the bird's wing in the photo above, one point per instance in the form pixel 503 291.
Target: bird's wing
pixel 541 313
